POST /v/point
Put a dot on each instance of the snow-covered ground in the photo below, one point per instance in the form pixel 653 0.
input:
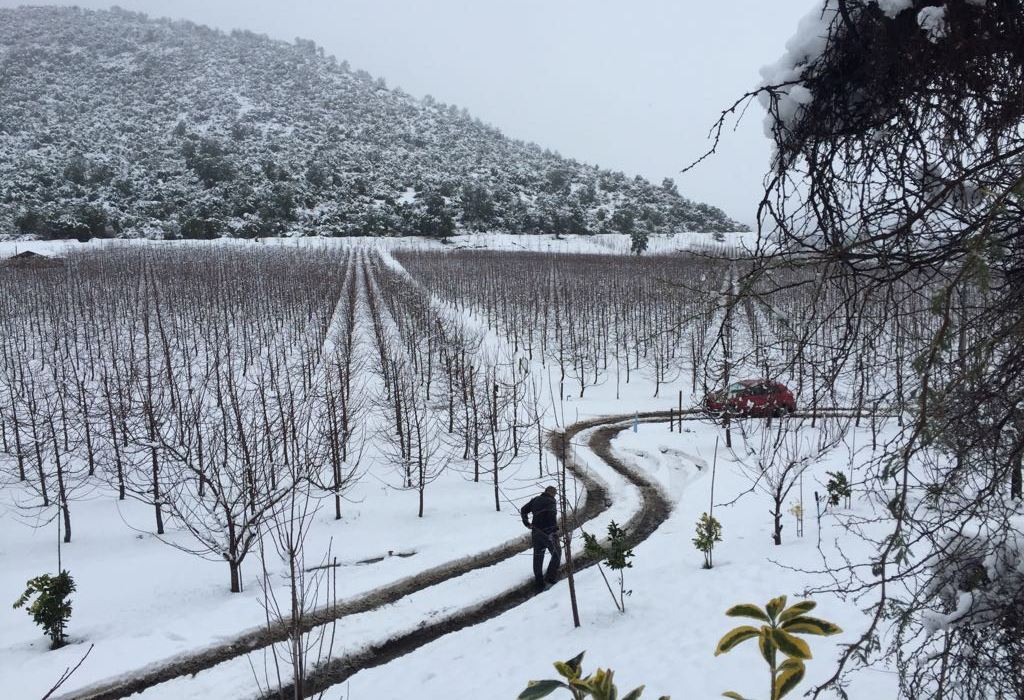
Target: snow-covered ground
pixel 674 617
pixel 600 244
pixel 140 601
pixel 665 639
pixel 236 678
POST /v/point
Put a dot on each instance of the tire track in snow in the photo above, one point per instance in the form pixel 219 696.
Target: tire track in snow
pixel 654 510
pixel 596 502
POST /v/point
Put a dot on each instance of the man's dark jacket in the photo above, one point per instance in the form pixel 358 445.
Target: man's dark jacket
pixel 545 513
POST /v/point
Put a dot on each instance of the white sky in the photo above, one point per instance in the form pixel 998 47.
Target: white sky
pixel 630 85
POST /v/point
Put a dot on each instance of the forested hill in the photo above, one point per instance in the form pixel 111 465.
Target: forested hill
pixel 115 124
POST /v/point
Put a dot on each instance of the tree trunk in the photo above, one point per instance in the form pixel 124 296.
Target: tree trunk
pixel 155 464
pixel 66 513
pixel 17 441
pixel 39 465
pixel 567 537
pixel 62 492
pixel 497 501
pixel 777 531
pixel 236 579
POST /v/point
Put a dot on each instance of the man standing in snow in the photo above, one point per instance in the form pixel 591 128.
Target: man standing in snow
pixel 545 535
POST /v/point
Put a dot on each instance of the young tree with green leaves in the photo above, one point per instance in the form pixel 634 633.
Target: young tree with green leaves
pixel 709 531
pixel 615 553
pixel 51 608
pixel 838 488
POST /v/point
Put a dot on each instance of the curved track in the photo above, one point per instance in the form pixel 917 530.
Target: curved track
pixel 653 512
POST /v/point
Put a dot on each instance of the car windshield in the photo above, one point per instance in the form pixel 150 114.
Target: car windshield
pixel 736 388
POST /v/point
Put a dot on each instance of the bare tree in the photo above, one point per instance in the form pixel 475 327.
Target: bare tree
pixel 775 455
pixel 308 587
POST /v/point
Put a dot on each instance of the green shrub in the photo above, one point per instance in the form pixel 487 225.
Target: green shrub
pixel 838 488
pixel 616 555
pixel 51 608
pixel 709 531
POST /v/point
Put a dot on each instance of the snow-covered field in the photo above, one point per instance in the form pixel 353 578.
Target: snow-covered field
pixel 674 616
pixel 603 244
pixel 140 601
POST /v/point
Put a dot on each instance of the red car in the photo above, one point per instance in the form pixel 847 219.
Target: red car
pixel 752 397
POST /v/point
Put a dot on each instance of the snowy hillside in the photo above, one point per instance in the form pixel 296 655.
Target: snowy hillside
pixel 115 124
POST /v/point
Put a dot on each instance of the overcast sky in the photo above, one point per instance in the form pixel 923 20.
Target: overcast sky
pixel 630 85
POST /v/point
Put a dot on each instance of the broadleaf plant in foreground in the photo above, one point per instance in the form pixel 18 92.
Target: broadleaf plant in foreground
pixel 777 634
pixel 599 685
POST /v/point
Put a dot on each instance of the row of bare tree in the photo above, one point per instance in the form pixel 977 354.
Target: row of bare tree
pixel 206 383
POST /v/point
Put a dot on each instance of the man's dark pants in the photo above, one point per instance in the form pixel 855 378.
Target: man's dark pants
pixel 546 541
